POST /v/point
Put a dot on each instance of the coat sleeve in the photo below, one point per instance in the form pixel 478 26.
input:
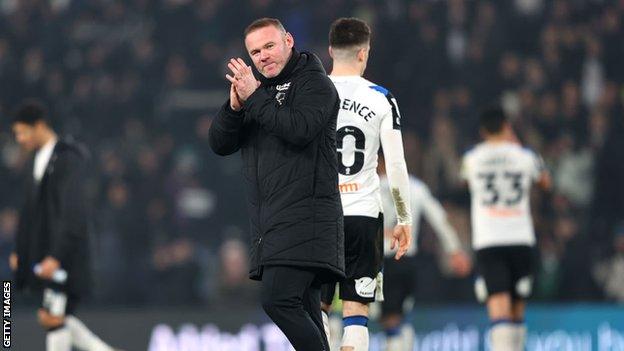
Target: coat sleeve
pixel 300 121
pixel 225 136
pixel 69 226
pixel 22 234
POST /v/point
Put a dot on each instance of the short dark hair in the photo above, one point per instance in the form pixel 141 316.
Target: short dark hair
pixel 264 22
pixel 493 119
pixel 348 32
pixel 31 111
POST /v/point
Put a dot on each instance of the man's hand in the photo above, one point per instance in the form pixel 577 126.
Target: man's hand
pixel 47 320
pixel 402 235
pixel 48 266
pixel 242 79
pixel 235 103
pixel 545 181
pixel 460 263
pixel 13 261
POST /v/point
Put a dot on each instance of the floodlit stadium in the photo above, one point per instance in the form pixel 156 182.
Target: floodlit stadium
pixel 143 89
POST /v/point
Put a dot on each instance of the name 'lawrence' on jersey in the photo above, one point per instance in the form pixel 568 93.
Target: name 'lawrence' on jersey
pixel 500 176
pixel 365 110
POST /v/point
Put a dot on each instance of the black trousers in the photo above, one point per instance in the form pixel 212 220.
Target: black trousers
pixel 291 297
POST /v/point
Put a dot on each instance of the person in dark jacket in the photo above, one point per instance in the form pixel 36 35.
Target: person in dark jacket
pixel 284 124
pixel 52 232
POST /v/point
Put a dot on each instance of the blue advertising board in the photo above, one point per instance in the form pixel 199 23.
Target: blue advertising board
pixel 458 328
pixel 565 327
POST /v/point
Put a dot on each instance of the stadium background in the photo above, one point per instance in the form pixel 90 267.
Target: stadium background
pixel 139 81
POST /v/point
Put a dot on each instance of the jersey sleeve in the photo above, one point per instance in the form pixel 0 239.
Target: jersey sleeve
pixel 387 204
pixel 391 120
pixel 537 166
pixel 436 216
pixel 396 168
pixel 464 169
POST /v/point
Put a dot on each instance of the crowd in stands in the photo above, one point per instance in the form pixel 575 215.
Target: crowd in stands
pixel 139 81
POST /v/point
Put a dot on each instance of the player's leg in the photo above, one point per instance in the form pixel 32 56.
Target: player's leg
pixel 363 261
pixel 51 317
pixel 502 327
pixel 58 339
pixel 399 280
pixel 523 264
pixel 56 315
pixel 494 286
pixel 355 322
pixel 283 292
pixel 82 338
pixel 392 329
pixel 520 329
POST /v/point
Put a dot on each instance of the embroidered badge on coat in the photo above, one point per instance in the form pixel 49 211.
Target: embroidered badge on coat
pixel 281 92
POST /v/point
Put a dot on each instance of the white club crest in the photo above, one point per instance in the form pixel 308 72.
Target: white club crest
pixel 283 87
pixel 365 287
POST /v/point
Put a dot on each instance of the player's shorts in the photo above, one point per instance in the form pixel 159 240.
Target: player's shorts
pixel 505 269
pixel 57 301
pixel 363 261
pixel 399 283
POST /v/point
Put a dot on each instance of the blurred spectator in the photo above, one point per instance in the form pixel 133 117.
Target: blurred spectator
pixel 176 278
pixel 8 226
pixel 610 272
pixel 234 287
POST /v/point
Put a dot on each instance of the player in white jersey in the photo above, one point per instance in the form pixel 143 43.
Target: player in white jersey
pixel 368 117
pixel 400 276
pixel 500 172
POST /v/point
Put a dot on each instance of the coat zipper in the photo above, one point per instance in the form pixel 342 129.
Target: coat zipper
pixel 260 227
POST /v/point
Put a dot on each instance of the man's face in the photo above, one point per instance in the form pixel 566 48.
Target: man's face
pixel 26 135
pixel 269 49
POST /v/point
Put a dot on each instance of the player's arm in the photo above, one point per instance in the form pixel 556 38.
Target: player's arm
pixel 545 181
pixel 542 176
pixel 396 170
pixel 436 216
pixel 398 178
pixel 463 172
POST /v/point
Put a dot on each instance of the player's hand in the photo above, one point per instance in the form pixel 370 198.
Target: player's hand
pixel 13 261
pixel 235 103
pixel 48 266
pixel 242 78
pixel 47 320
pixel 460 263
pixel 401 236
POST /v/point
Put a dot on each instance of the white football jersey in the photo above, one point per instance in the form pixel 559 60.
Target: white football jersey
pixel 366 110
pixel 500 176
pixel 422 203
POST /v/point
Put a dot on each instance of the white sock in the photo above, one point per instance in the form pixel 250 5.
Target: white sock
pixel 83 338
pixel 520 332
pixel 335 331
pixel 58 340
pixel 355 336
pixel 408 335
pixel 502 336
pixel 394 343
pixel 326 324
